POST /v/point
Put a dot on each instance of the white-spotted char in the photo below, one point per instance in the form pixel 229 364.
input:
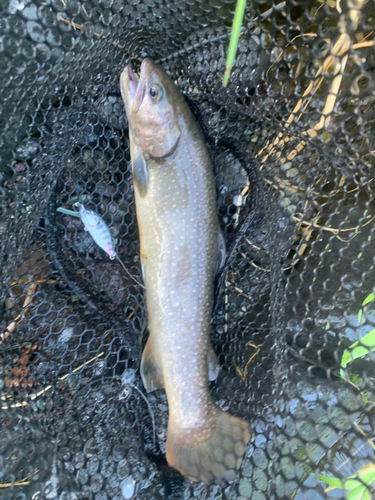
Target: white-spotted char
pixel 181 248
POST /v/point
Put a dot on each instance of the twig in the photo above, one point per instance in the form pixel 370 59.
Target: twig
pixel 11 327
pixel 340 48
pixel 239 291
pixel 76 26
pixel 288 45
pixel 22 482
pixel 240 201
pixel 329 229
pixel 243 374
pixel 132 313
pixel 34 396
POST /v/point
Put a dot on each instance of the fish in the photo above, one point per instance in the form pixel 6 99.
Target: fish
pixel 181 250
pixel 97 228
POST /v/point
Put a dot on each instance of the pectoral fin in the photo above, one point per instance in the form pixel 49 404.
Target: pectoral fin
pixel 213 365
pixel 220 253
pixel 139 167
pixel 151 373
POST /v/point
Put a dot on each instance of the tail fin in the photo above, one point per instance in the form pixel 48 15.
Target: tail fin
pixel 208 457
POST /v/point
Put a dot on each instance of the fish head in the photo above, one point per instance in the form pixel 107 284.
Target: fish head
pixel 152 107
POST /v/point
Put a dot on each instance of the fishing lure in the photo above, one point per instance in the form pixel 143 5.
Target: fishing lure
pixel 98 230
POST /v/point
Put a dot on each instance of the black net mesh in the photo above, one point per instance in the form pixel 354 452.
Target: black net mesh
pixel 292 142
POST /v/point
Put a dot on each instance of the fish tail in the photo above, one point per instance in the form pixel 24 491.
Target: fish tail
pixel 212 453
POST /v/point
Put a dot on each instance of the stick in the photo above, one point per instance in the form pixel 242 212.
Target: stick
pixel 11 327
pixel 76 26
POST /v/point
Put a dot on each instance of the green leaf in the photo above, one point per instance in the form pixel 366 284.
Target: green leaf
pixel 332 481
pixel 351 484
pixel 368 299
pixel 357 350
pixel 360 315
pixel 358 482
pixel 367 476
pixel 356 494
pixel 236 29
pixel 368 340
pixel 346 358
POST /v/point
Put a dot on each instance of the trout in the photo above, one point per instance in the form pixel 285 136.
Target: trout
pixel 181 249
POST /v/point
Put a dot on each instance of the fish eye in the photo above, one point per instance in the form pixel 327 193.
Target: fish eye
pixel 156 92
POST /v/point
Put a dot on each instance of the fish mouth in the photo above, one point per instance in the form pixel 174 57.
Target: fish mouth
pixel 132 81
pixel 137 88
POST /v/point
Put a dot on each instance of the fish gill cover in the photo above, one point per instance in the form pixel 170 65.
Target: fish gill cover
pixel 292 142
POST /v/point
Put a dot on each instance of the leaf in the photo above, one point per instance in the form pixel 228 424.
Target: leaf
pixel 352 484
pixel 356 494
pixel 366 476
pixel 357 351
pixel 368 340
pixel 368 299
pixel 360 315
pixel 367 473
pixel 332 481
pixel 346 358
pixel 236 28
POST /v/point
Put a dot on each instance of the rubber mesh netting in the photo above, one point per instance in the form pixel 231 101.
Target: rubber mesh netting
pixel 292 143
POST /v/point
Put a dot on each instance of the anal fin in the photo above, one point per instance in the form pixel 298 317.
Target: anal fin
pixel 151 373
pixel 213 365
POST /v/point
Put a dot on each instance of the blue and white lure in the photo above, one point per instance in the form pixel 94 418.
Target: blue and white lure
pixel 98 230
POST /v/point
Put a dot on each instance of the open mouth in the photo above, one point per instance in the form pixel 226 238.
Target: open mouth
pixel 136 88
pixel 132 79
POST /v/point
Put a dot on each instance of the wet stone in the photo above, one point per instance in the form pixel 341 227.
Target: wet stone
pixel 260 459
pixel 96 483
pixel 107 468
pixel 122 469
pixel 258 495
pixel 200 491
pixel 82 476
pixel 128 488
pixel 92 465
pixel 36 31
pixel 244 488
pixel 102 495
pixel 79 460
pixel 260 480
pixel 246 468
pixel 111 483
pixel 118 453
pixel 214 492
